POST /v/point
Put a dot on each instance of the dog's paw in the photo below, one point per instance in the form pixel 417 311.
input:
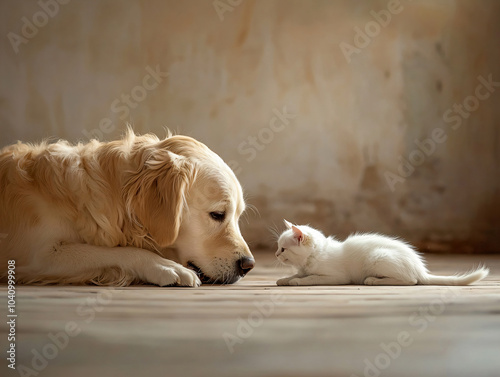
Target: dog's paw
pixel 175 275
pixel 283 281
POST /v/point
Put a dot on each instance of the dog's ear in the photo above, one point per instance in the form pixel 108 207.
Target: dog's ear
pixel 156 194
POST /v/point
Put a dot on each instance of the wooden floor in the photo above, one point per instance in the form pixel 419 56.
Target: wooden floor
pixel 254 328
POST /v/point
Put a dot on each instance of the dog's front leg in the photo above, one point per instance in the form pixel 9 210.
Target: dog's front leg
pixel 82 263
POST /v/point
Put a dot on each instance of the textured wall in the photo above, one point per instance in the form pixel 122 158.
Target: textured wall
pixel 316 105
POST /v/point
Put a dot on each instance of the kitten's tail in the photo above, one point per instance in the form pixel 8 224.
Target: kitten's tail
pixel 464 279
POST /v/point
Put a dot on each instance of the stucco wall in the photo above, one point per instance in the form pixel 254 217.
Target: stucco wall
pixel 226 71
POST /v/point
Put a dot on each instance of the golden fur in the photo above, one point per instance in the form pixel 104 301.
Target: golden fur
pixel 136 209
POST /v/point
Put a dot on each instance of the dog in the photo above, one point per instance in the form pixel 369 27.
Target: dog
pixel 135 210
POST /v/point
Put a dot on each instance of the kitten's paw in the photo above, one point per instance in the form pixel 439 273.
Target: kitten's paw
pixel 371 281
pixel 283 281
pixel 295 281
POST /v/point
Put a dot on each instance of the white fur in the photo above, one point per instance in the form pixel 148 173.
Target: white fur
pixel 369 259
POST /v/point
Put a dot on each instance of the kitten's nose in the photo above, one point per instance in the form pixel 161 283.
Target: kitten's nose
pixel 244 265
pixel 277 253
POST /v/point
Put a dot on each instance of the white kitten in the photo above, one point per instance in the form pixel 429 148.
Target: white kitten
pixel 369 259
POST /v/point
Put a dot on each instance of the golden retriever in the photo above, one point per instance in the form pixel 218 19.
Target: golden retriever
pixel 139 209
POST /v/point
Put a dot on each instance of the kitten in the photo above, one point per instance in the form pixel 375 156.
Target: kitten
pixel 369 259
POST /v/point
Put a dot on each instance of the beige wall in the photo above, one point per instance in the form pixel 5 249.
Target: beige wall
pixel 230 73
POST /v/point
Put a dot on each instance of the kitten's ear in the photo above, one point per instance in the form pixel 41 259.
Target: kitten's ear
pixel 288 224
pixel 297 234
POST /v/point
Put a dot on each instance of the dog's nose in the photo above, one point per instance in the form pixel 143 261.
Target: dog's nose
pixel 245 264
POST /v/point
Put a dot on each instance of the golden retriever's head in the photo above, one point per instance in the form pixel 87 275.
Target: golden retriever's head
pixel 189 199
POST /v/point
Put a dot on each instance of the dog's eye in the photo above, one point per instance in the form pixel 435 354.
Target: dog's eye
pixel 218 216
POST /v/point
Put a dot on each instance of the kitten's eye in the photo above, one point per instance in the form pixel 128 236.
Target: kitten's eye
pixel 218 216
pixel 282 249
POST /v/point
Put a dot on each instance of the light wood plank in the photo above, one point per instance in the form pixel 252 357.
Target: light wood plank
pixel 280 331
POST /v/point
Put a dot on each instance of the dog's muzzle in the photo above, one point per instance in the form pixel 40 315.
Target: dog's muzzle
pixel 241 268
